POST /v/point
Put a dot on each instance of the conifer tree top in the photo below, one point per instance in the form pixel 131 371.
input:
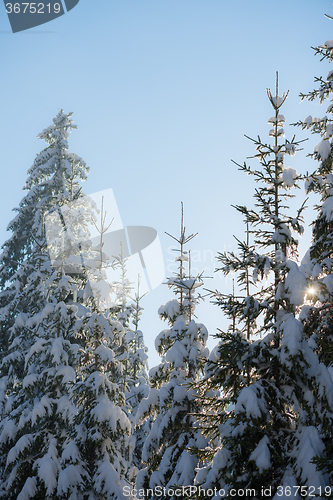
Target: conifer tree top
pixel 54 177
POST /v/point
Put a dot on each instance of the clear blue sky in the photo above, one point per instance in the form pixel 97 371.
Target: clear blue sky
pixel 163 92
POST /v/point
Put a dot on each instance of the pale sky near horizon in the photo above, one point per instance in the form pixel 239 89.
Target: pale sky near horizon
pixel 163 92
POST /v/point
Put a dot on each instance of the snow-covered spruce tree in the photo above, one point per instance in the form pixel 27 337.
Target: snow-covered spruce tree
pixel 317 315
pixel 25 262
pixel 166 451
pixel 35 421
pixel 39 366
pixel 270 435
pixel 132 353
pixel 228 369
pixel 318 319
pixel 95 461
pixel 50 180
pixel 122 310
pixel 122 290
pixel 137 380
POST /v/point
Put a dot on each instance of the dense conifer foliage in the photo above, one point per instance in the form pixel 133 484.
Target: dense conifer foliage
pixel 81 415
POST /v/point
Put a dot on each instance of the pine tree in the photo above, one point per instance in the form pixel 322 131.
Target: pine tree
pixel 317 315
pixel 41 310
pixel 318 261
pixel 96 460
pixel 36 414
pixel 133 356
pixel 50 182
pixel 137 380
pixel 278 390
pixel 27 290
pixel 229 363
pixel 166 453
pixel 122 310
